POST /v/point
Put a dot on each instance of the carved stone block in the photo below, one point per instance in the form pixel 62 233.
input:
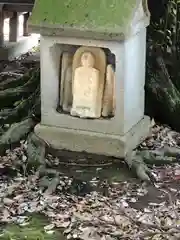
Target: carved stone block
pixel 88 82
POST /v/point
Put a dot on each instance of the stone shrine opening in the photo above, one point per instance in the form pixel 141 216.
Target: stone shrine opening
pixel 87 83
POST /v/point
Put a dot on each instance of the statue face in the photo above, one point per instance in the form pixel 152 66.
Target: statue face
pixel 87 59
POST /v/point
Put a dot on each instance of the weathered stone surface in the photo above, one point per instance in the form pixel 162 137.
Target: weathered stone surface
pixel 107 17
pixel 85 88
pixel 92 142
pixel 66 81
pixel 109 93
pixel 88 82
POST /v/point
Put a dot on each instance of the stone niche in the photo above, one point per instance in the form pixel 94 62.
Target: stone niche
pixel 92 75
pixel 91 98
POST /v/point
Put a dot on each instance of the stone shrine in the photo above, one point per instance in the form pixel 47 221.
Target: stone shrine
pixel 92 74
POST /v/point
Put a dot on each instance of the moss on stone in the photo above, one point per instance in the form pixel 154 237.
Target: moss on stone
pixel 98 15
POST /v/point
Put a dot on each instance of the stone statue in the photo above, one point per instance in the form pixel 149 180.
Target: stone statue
pixel 67 90
pixel 66 81
pixel 108 96
pixel 98 63
pixel 86 85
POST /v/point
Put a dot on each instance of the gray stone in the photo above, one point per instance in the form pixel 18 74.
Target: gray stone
pixel 93 142
pixel 11 50
pixel 115 136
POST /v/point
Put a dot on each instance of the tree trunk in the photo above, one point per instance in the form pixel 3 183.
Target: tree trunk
pixel 163 60
pixel 162 96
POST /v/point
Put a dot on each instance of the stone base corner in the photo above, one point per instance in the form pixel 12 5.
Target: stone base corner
pixel 91 142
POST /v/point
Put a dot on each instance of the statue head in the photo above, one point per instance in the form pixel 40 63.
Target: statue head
pixel 87 59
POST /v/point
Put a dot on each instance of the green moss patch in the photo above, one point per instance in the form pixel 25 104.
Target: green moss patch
pixel 104 15
pixel 33 231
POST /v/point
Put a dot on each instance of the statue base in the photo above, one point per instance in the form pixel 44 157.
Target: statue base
pixel 92 142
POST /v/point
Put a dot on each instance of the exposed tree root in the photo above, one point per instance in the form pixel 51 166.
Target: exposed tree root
pixel 36 150
pixel 139 161
pixel 12 80
pixel 9 96
pixel 16 132
pixel 136 163
pixel 21 111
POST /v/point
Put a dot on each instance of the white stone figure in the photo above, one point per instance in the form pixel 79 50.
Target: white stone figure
pixel 67 90
pixel 85 89
pixel 66 63
pixel 108 96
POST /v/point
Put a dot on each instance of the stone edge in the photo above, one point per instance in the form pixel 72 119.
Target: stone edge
pixel 102 144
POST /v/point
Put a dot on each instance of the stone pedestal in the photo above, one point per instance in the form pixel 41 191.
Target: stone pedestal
pixel 94 142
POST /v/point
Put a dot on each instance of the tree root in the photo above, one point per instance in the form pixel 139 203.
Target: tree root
pixel 12 80
pixel 139 161
pixel 36 150
pixel 16 132
pixel 11 95
pixel 21 111
pixel 136 163
pixel 35 111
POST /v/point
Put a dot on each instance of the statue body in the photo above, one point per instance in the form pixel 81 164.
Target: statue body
pixel 85 89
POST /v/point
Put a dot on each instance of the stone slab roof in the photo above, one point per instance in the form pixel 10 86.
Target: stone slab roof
pixel 83 17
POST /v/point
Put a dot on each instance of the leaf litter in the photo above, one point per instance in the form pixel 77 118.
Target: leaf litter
pixel 130 210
